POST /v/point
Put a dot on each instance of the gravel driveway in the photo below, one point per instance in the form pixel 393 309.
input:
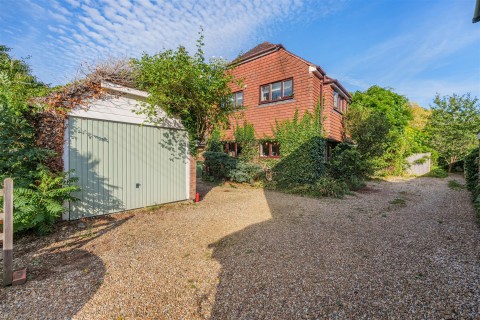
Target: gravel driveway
pixel 397 250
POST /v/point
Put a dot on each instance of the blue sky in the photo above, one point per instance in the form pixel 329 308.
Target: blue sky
pixel 417 47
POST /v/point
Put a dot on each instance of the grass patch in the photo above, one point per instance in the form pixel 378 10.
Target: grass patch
pixel 437 173
pixel 398 201
pixel 454 185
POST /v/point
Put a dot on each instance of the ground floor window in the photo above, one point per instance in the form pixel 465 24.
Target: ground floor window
pixel 233 149
pixel 329 146
pixel 269 150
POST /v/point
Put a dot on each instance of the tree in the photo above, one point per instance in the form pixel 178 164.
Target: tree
pixel 376 122
pixel 187 87
pixel 19 155
pixel 417 137
pixel 453 126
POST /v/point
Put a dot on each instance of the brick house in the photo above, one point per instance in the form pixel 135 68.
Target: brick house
pixel 274 84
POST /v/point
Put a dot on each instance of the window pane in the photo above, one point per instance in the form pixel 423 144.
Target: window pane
pixel 287 88
pixel 275 149
pixel 231 149
pixel 264 149
pixel 239 100
pixel 276 90
pixel 335 99
pixel 266 93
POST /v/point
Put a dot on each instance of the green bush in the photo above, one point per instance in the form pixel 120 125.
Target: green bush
pixel 245 137
pixel 245 172
pixel 329 187
pixel 436 173
pixel 305 165
pixel 41 205
pixel 214 144
pixel 323 187
pixel 471 170
pixel 347 165
pixel 218 165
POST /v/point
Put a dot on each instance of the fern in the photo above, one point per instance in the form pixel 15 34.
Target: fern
pixel 41 204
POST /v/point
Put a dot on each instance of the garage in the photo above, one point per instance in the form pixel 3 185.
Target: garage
pixel 121 162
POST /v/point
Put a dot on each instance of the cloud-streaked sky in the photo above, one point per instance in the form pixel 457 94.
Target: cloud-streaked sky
pixel 417 47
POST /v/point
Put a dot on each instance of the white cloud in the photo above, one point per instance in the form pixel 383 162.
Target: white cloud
pixel 130 27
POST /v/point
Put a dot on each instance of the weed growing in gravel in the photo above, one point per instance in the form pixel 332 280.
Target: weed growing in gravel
pixel 399 202
pixel 454 185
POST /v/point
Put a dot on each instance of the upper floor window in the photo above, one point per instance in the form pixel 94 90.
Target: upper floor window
pixel 269 149
pixel 276 91
pixel 237 99
pixel 338 102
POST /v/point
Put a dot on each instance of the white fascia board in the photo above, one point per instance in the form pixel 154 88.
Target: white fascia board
pixel 125 90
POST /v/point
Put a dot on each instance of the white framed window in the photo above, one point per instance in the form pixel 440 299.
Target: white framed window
pixel 237 99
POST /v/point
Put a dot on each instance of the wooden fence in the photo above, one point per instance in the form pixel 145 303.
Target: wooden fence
pixel 6 219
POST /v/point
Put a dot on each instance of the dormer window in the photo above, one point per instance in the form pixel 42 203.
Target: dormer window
pixel 276 91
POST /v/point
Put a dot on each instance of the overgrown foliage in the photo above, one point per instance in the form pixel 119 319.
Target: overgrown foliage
pixel 214 143
pixel 376 122
pixel 471 170
pixel 437 172
pixel 303 150
pixel 38 193
pixel 40 205
pixel 188 87
pixel 220 166
pixel 245 137
pixel 245 172
pixel 347 165
pixel 472 177
pixel 453 126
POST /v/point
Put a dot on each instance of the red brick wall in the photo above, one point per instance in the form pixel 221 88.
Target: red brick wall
pixel 274 67
pixel 332 118
pixel 277 66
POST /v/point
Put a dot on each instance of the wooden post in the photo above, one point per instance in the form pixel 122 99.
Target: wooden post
pixel 7 235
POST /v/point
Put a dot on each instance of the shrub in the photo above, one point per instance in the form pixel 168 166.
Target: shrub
pixel 305 165
pixel 347 165
pixel 329 187
pixel 323 187
pixel 218 165
pixel 39 206
pixel 245 172
pixel 436 173
pixel 214 144
pixel 302 150
pixel 245 137
pixel 471 170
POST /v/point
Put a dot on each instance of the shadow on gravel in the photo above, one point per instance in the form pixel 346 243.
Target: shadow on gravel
pixel 349 258
pixel 61 278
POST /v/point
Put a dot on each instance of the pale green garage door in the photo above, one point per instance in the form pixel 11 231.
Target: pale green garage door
pixel 123 166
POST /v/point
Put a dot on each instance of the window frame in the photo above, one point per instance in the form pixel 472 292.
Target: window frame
pixel 282 91
pixel 234 99
pixel 270 145
pixel 339 98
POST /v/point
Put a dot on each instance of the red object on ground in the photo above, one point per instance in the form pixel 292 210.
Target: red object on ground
pixel 197 197
pixel 19 277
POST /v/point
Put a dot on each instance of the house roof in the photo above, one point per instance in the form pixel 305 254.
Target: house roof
pixel 262 48
pixel 338 84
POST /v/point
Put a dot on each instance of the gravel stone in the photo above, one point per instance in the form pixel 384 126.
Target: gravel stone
pixel 245 253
